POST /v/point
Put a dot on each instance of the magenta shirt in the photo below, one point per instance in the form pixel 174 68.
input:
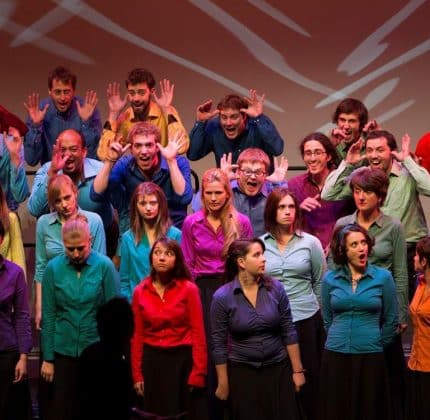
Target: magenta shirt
pixel 202 246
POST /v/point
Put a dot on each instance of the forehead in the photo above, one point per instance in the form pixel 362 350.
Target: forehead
pixel 378 142
pixel 69 139
pixel 162 247
pixel 313 145
pixel 144 139
pixel 76 239
pixel 348 117
pixel 255 247
pixel 147 197
pixel 138 86
pixel 252 165
pixel 214 186
pixel 286 201
pixel 229 112
pixel 59 84
pixel 355 237
pixel 65 189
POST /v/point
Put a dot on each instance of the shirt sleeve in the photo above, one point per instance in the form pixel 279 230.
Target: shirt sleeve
pixel 33 143
pixel 41 256
pixel 110 281
pixel 273 144
pixel 18 183
pixel 336 186
pixel 16 246
pixel 325 303
pixel 138 338
pixel 185 169
pixel 48 314
pixel 38 201
pixel 246 230
pixel 319 266
pixel 199 351
pixel 187 245
pixel 91 130
pixel 288 331
pixel 420 175
pixel 22 315
pixel 219 327
pixel 201 142
pixel 125 287
pixel 98 235
pixel 390 310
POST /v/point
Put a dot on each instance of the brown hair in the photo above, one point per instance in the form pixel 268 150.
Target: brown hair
pixel 144 128
pixel 352 106
pixel 271 210
pixel 376 134
pixel 373 180
pixel 54 187
pixel 64 75
pixel 229 219
pixel 137 224
pixel 232 101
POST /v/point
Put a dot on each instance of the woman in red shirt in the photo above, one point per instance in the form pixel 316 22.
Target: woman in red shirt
pixel 168 349
pixel 418 404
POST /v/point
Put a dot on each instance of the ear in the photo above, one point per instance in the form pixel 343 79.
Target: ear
pixel 241 262
pixel 423 261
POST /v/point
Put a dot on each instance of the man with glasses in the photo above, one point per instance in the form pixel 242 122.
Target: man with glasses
pixel 62 110
pixel 144 105
pixel 235 125
pixel 69 157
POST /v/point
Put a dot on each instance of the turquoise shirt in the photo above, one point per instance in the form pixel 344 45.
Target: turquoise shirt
pixel 389 252
pixel 407 181
pixel 70 302
pixel 364 321
pixel 135 260
pixel 49 241
pixel 299 268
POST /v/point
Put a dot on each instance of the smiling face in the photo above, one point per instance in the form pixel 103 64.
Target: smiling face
pixel 286 213
pixel 70 145
pixel 232 122
pixel 254 262
pixel 251 177
pixel 214 197
pixel 62 94
pixel 139 96
pixel 316 158
pixel 378 153
pixel 145 151
pixel 357 251
pixel 350 126
pixel 66 202
pixel 148 206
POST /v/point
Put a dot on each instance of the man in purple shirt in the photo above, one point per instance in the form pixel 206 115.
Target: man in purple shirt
pixel 319 216
pixel 15 334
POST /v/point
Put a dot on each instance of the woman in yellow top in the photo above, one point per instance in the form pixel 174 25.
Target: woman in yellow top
pixel 11 248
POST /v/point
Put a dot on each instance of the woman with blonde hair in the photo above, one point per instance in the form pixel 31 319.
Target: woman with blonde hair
pixel 206 237
pixel 149 221
pixel 11 248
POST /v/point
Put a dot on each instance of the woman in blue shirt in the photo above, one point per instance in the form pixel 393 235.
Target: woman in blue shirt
pixel 360 315
pixel 149 221
pixel 254 342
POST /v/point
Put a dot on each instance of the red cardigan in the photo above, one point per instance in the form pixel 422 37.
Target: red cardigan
pixel 175 320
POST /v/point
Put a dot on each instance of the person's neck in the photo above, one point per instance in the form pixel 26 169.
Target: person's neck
pixel 247 280
pixel 76 176
pixel 285 234
pixel 369 217
pixel 319 179
pixel 162 279
pixel 356 273
pixel 426 275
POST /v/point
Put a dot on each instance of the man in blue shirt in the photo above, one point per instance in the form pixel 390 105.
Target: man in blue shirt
pixel 234 126
pixel 61 111
pixel 148 161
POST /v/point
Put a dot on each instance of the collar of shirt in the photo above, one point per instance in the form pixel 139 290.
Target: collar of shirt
pixel 154 112
pixel 149 284
pixel 88 261
pixel 237 287
pixel 270 237
pixel 54 218
pixel 344 272
pixel 379 220
pixel 162 167
pixel 396 168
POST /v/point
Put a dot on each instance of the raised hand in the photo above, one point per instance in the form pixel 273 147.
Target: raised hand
pixel 13 143
pixel 354 155
pixel 255 104
pixel 116 150
pixel 406 149
pixel 337 136
pixel 371 125
pixel 166 94
pixel 115 102
pixel 280 170
pixel 311 203
pixel 171 150
pixel 230 169
pixel 87 109
pixel 204 111
pixel 58 161
pixel 32 106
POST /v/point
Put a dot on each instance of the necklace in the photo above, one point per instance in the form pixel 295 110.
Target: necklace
pixel 354 281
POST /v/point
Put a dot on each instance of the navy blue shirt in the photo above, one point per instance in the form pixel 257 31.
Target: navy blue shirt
pixel 256 336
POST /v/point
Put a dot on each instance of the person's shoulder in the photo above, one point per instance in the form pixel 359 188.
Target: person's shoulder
pixel 11 267
pixel 225 290
pixel 379 272
pixel 93 218
pixel 174 233
pixel 43 170
pixel 297 180
pixel 194 217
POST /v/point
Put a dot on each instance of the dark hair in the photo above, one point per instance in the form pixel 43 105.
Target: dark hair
pixel 64 75
pixel 4 211
pixel 338 242
pixel 423 249
pixel 232 101
pixel 140 75
pixel 115 321
pixel 2 229
pixel 376 134
pixel 237 249
pixel 271 209
pixel 180 270
pixel 326 144
pixel 352 106
pixel 373 180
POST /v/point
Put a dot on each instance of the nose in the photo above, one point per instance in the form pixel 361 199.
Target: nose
pixel 213 197
pixel 75 253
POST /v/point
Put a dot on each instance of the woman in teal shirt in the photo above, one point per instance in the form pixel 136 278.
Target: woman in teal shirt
pixel 149 221
pixel 360 315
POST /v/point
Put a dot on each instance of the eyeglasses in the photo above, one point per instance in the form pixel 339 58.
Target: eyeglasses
pixel 317 153
pixel 160 252
pixel 248 172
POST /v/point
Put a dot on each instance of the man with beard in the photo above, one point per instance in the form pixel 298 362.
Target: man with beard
pixel 351 119
pixel 236 124
pixel 62 110
pixel 148 161
pixel 145 105
pixel 70 158
pixel 407 180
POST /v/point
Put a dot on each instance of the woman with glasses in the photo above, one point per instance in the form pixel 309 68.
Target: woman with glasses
pixel 168 348
pixel 297 260
pixel 149 220
pixel 319 216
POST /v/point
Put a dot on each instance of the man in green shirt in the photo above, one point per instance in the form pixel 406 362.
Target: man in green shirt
pixel 407 180
pixel 74 286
